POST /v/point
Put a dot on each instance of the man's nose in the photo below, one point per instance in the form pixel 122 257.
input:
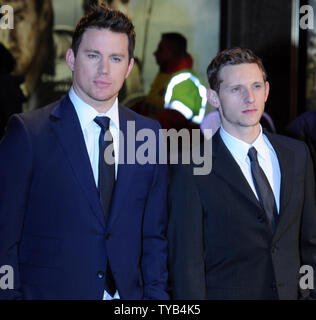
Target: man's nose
pixel 249 95
pixel 104 66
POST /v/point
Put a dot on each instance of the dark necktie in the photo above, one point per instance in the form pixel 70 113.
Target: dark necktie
pixel 106 179
pixel 106 175
pixel 263 188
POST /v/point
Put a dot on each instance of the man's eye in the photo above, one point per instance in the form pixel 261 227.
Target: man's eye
pixel 235 89
pixel 257 86
pixel 116 59
pixel 92 56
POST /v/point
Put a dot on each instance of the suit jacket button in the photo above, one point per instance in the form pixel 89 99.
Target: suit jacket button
pixel 108 236
pixel 100 274
pixel 274 249
pixel 261 219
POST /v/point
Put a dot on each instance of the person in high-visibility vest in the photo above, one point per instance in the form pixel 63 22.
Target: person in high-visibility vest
pixel 176 86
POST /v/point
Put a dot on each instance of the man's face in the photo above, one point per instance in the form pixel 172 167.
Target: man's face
pixel 100 67
pixel 241 98
pixel 23 41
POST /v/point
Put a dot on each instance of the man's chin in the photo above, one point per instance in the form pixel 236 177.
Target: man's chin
pixel 101 98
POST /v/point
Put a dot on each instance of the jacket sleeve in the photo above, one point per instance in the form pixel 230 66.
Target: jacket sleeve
pixel 308 225
pixel 15 180
pixel 154 257
pixel 186 237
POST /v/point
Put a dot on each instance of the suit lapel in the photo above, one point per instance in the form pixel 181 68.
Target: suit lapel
pixel 286 162
pixel 66 125
pixel 124 172
pixel 225 166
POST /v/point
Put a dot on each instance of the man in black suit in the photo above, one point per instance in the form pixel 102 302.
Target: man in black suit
pixel 244 230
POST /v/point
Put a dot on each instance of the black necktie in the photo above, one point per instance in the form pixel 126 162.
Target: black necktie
pixel 106 176
pixel 106 179
pixel 263 188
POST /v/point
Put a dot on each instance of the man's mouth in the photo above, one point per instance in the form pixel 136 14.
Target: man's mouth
pixel 249 111
pixel 102 83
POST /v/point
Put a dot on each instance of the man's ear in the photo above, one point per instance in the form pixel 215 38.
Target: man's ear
pixel 130 67
pixel 267 85
pixel 70 59
pixel 213 98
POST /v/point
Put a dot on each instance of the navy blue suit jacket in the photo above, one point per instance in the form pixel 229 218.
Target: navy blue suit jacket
pixel 52 230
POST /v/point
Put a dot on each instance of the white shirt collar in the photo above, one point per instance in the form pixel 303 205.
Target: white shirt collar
pixel 239 148
pixel 86 113
pixel 261 145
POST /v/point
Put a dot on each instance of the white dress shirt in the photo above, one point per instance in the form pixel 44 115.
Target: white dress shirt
pixel 91 131
pixel 267 158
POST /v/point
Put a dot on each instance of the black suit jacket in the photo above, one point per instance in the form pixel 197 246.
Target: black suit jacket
pixel 220 246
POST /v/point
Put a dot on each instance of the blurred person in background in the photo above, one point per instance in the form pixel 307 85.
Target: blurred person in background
pixel 31 44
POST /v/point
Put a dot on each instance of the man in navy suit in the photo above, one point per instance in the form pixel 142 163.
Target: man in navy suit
pixel 71 225
pixel 244 230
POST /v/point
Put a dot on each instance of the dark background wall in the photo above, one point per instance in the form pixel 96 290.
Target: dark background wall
pixel 271 30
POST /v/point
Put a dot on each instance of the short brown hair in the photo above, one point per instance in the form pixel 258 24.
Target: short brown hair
pixel 100 17
pixel 228 57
